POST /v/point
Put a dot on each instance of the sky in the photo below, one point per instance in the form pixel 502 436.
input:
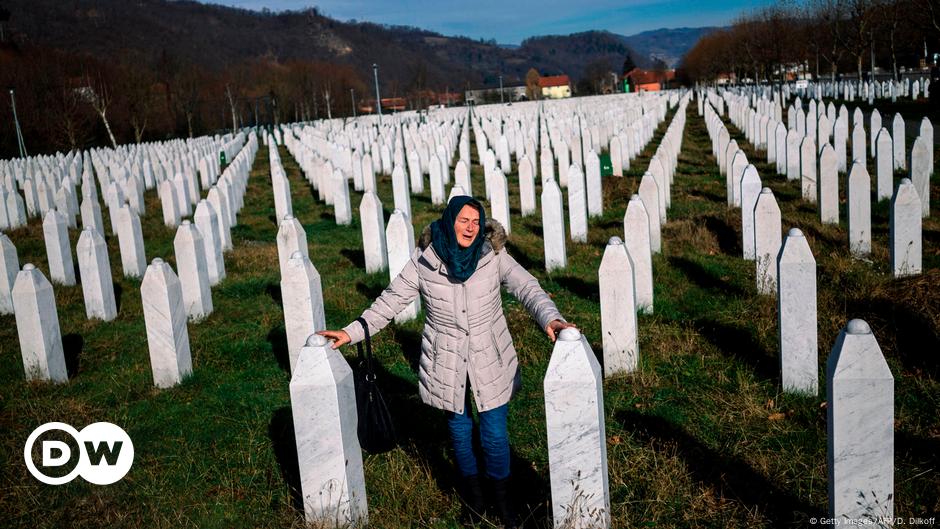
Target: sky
pixel 511 21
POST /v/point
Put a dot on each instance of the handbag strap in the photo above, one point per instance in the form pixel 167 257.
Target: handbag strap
pixel 367 357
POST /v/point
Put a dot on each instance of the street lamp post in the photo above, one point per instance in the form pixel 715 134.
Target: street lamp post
pixel 378 98
pixel 19 133
pixel 352 95
pixel 501 89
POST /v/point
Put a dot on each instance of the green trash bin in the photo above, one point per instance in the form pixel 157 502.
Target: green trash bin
pixel 607 168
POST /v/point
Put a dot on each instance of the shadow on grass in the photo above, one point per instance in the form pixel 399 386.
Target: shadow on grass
pixel 728 239
pixel 739 343
pixel 728 476
pixel 277 337
pixel 284 443
pixel 523 258
pixel 355 257
pixel 370 292
pixel 274 290
pixel 702 277
pixel 72 345
pixel 118 296
pixel 586 290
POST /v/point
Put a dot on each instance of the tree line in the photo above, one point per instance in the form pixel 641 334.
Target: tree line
pixel 820 38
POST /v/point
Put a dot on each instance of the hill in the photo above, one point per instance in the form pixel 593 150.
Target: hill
pixel 668 45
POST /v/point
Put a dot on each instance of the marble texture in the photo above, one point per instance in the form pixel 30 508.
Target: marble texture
pixel 828 186
pixel 808 169
pixel 373 233
pixel 290 238
pixel 37 325
pixel 55 234
pixel 282 199
pixel 794 139
pixel 577 442
pixel 302 299
pixel 859 149
pixel 131 242
pixel 91 215
pixel 553 226
pixel 636 231
pixel 499 199
pixel 921 169
pixel 618 309
pixel 738 164
pixel 94 268
pixel 207 222
pixel 767 241
pixel 884 162
pixel 577 204
pixel 796 315
pixel 400 190
pixel 342 207
pixel 323 405
pixel 905 236
pixel 165 319
pixel 859 210
pixel 168 204
pixel 750 187
pixel 436 178
pixel 189 248
pixel 592 178
pixel 462 177
pixel 400 239
pixel 526 186
pixel 859 427
pixel 649 194
pixel 899 144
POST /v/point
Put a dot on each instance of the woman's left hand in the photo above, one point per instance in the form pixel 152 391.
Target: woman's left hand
pixel 555 326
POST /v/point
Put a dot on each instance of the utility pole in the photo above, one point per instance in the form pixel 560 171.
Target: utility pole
pixel 352 95
pixel 19 132
pixel 378 98
pixel 501 89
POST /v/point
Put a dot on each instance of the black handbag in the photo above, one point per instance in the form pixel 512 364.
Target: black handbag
pixel 376 430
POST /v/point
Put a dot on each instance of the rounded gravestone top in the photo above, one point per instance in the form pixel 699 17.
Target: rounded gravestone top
pixel 766 191
pixel 614 240
pixel 185 223
pixel 635 197
pixel 794 232
pixel 288 217
pixel 315 340
pixel 87 228
pixel 857 326
pixel 569 335
pixel 906 182
pixel 157 261
pixel 297 255
pixel 28 266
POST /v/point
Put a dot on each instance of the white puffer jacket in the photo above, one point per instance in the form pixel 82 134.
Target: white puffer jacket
pixel 465 331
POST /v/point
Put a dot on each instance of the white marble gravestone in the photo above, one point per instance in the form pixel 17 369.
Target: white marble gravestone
pixel 290 238
pixel 618 309
pixel 920 172
pixel 905 230
pixel 859 210
pixel 323 404
pixel 94 267
pixel 373 233
pixel 400 191
pixel 828 186
pixel 808 169
pixel 400 238
pixel 767 241
pixel 796 314
pixel 499 199
pixel 9 268
pixel 553 226
pixel 595 191
pixel 885 165
pixel 577 204
pixel 165 319
pixel 91 215
pixel 207 221
pixel 577 443
pixel 636 231
pixel 131 242
pixel 55 233
pixel 302 298
pixel 193 271
pixel 221 208
pixel 526 186
pixel 37 325
pixel 750 189
pixel 899 147
pixel 168 204
pixel 462 176
pixel 859 150
pixel 342 208
pixel 437 181
pixel 859 428
pixel 649 194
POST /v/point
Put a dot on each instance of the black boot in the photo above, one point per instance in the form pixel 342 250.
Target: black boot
pixel 472 494
pixel 502 502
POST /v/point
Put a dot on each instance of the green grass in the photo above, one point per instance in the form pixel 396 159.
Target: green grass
pixel 699 436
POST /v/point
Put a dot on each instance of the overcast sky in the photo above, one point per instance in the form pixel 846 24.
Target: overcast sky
pixel 510 21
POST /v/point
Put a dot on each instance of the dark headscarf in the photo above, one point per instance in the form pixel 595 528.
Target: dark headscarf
pixel 461 262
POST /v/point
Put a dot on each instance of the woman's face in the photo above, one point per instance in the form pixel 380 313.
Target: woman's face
pixel 467 225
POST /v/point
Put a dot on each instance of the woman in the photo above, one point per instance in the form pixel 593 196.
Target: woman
pixel 465 348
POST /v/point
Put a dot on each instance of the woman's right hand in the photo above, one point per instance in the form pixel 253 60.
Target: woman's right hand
pixel 340 338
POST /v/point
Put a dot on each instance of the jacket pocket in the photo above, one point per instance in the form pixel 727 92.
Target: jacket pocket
pixel 435 351
pixel 499 354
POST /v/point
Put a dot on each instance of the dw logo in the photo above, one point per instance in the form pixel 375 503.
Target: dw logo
pixel 105 453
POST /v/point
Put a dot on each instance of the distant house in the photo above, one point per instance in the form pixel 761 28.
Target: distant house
pixel 638 80
pixel 483 96
pixel 555 86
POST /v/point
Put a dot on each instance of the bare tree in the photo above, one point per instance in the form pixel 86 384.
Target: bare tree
pixel 98 94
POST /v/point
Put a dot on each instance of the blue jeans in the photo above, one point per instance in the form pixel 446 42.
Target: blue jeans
pixel 494 439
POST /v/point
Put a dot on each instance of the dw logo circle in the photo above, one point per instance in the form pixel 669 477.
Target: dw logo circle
pixel 105 453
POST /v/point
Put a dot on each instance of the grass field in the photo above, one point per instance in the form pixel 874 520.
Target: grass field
pixel 699 436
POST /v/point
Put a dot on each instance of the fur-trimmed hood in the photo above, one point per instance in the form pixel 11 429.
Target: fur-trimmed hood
pixel 494 233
